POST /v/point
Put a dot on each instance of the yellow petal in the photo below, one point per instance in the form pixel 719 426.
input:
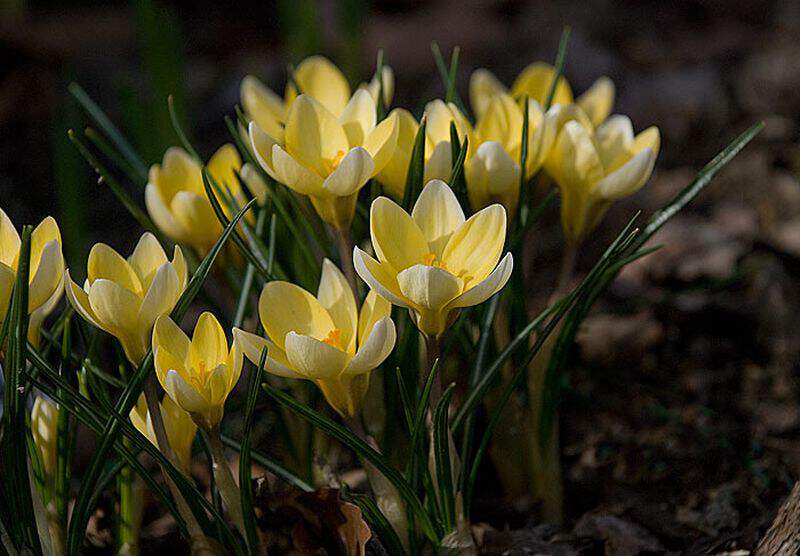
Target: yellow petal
pixel 576 164
pixel 7 279
pixel 351 174
pixel 439 164
pixel 9 241
pixel 179 264
pixel 48 277
pixel 380 277
pixel 358 117
pixel 382 141
pixel 294 175
pixel 252 346
pixel 393 175
pixel 650 138
pixel 285 307
pixel 197 217
pixel 115 307
pixel 438 214
pixel 598 100
pixel 320 79
pixel 314 359
pixel 380 343
pixel 614 139
pixel 439 115
pixel 184 394
pixel 335 210
pixel 374 308
pixel 374 86
pixel 161 297
pixel 628 179
pixel 336 296
pixel 262 145
pixel 255 183
pixel 224 165
pixel 473 251
pixel 313 135
pixel 502 122
pixel 483 86
pixel 44 233
pixel 209 348
pixel 44 428
pixel 536 80
pixel 79 300
pixel 180 430
pixel 396 238
pixel 105 263
pixel 263 106
pixel 429 287
pixel 161 215
pixel 492 177
pixel 169 338
pixel 486 288
pixel 177 172
pixel 147 258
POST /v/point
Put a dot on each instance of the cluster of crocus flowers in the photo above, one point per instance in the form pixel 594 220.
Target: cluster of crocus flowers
pixel 434 260
pixel 176 197
pixel 197 373
pixel 45 274
pixel 178 425
pixel 593 168
pixel 124 297
pixel 324 339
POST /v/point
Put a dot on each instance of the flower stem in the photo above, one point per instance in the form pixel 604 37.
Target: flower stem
pixel 230 493
pixel 130 511
pixel 432 353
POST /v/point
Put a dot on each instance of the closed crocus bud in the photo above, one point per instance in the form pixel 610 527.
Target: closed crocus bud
pixel 178 425
pixel 45 275
pixel 594 169
pixel 324 339
pixel 197 373
pixel 320 79
pixel 125 297
pixel 535 81
pixel 492 171
pixel 44 426
pixel 438 148
pixel 374 86
pixel 176 198
pixel 263 106
pixel 394 174
pixel 329 159
pixel 433 261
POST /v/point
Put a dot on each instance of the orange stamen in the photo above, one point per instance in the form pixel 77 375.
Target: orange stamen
pixel 334 338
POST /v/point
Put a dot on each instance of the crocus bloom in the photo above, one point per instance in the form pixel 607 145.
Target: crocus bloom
pixel 593 169
pixel 492 170
pixel 125 297
pixel 324 339
pixel 328 158
pixel 176 198
pixel 433 261
pixel 197 373
pixel 535 81
pixel 44 427
pixel 178 425
pixel 45 275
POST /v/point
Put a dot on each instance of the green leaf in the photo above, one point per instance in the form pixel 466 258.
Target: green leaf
pixel 416 168
pixel 459 156
pixel 363 449
pixel 111 131
pixel 561 57
pixel 244 455
pixel 270 465
pixel 378 523
pixel 448 75
pixel 442 459
pixel 381 104
pixel 176 125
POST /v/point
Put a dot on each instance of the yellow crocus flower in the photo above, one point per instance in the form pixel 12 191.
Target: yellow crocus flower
pixel 595 168
pixel 125 297
pixel 438 148
pixel 492 170
pixel 535 81
pixel 197 373
pixel 317 78
pixel 324 339
pixel 178 425
pixel 393 175
pixel 328 158
pixel 433 261
pixel 176 198
pixel 44 426
pixel 45 274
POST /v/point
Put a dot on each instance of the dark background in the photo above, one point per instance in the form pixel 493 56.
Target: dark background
pixel 681 414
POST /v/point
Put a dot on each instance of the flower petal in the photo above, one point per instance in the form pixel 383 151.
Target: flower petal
pixel 43 234
pixel 9 241
pixel 294 175
pixel 314 137
pixel 614 138
pixel 483 86
pixel 598 100
pixel 7 279
pixel 105 263
pixel 359 117
pixel 351 174
pixel 379 277
pixel 374 308
pixel 314 359
pixel 485 289
pixel 396 238
pixel 492 176
pixel 336 295
pixel 438 214
pixel 147 258
pixel 116 307
pixel 252 345
pixel 161 215
pixel 628 179
pixel 285 307
pixel 184 394
pixel 429 287
pixel 48 277
pixel 263 106
pixel 197 217
pixel 575 163
pixel 209 347
pixel 381 142
pixel 77 298
pixel 320 79
pixel 536 80
pixel 224 165
pixel 168 337
pixel 161 296
pixel 380 343
pixel 262 144
pixel 473 251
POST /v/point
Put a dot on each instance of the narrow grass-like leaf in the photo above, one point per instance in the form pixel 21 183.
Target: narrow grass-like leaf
pixel 363 449
pixel 561 57
pixel 247 281
pixel 111 131
pixel 378 523
pixel 459 156
pixel 442 459
pixel 448 75
pixel 176 125
pixel 108 151
pixel 244 455
pixel 416 168
pixel 270 465
pixel 380 106
pixel 405 398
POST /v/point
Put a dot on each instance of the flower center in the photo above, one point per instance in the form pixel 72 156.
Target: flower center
pixel 429 259
pixel 334 338
pixel 333 163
